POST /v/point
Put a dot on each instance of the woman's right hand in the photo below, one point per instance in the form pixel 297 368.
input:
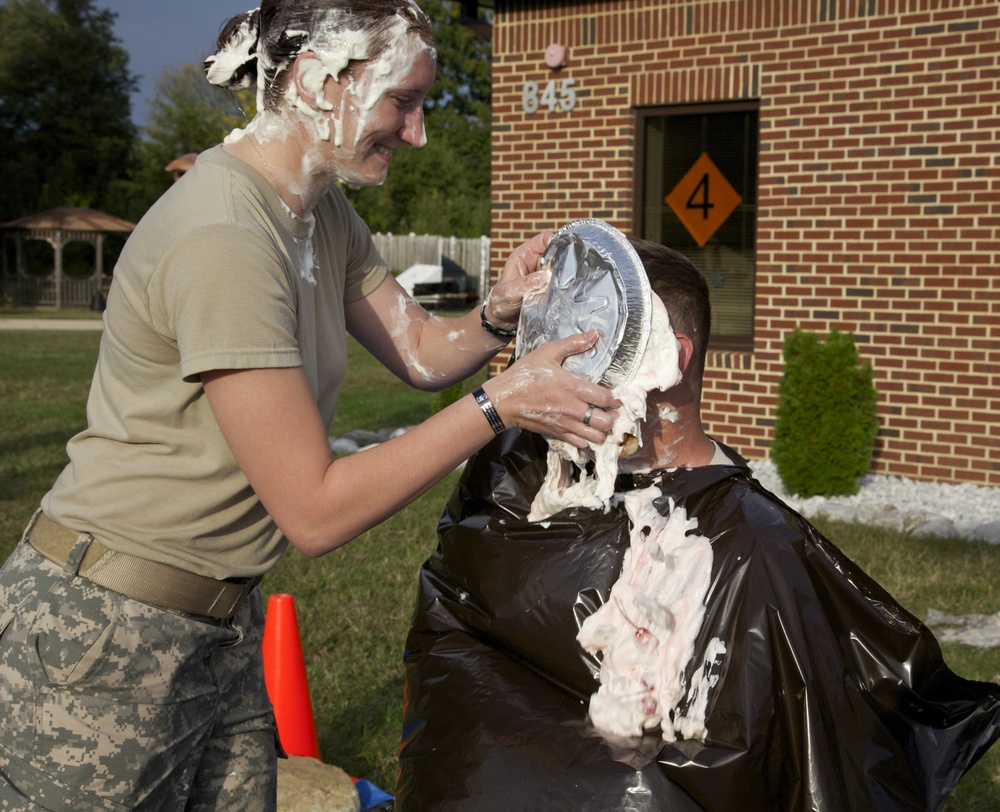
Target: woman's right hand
pixel 536 393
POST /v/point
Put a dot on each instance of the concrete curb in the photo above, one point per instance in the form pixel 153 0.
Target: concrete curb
pixel 51 324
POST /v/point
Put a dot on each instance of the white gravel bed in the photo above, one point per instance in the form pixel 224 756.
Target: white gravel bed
pixel 946 510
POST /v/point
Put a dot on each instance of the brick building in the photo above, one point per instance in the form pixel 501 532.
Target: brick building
pixel 826 163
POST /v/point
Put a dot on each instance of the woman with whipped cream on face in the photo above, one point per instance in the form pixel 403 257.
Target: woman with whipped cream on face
pixel 130 660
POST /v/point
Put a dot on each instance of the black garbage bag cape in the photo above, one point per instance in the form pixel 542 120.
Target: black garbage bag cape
pixel 831 696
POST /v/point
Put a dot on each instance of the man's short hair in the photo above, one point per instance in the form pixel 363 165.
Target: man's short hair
pixel 684 292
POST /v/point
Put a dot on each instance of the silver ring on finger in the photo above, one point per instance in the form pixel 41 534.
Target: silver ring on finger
pixel 588 414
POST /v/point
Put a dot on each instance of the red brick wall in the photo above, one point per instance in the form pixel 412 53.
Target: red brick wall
pixel 879 192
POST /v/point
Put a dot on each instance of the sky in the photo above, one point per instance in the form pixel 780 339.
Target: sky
pixel 160 34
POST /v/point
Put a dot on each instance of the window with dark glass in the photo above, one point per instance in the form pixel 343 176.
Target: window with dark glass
pixel 697 193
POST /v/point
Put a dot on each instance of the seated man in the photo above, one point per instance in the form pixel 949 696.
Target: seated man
pixel 817 690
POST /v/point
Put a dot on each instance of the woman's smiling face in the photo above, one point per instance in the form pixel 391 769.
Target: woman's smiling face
pixel 375 108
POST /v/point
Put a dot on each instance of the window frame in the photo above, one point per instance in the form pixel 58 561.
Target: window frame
pixel 641 117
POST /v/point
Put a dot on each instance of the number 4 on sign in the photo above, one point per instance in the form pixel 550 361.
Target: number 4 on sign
pixel 701 193
pixel 703 199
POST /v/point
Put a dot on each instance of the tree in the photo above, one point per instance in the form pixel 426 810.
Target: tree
pixel 186 114
pixel 443 188
pixel 64 105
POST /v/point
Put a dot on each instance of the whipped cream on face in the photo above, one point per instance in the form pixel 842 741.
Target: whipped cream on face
pixel 334 52
pixel 331 60
pixel 331 50
pixel 648 627
pixel 567 482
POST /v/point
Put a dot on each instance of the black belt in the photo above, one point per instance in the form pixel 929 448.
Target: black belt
pixel 151 582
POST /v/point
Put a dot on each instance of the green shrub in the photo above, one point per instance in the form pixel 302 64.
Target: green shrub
pixel 824 432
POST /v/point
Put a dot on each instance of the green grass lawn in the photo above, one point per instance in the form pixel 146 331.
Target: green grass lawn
pixel 354 605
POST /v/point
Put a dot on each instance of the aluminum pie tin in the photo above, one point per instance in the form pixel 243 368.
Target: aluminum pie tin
pixel 597 281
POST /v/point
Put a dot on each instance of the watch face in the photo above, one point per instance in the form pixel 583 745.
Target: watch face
pixel 596 280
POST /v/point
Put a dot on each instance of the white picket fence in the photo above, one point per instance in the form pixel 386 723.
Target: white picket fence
pixel 472 254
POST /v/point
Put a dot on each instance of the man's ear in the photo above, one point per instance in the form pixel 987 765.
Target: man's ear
pixel 685 353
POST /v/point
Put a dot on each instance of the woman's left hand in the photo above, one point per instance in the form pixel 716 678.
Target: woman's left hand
pixel 520 276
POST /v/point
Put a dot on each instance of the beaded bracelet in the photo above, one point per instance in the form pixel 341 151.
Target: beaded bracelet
pixel 492 329
pixel 489 410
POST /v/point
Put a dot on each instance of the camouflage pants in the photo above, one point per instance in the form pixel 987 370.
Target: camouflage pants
pixel 107 703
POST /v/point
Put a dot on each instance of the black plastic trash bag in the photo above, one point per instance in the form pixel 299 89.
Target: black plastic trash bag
pixel 831 696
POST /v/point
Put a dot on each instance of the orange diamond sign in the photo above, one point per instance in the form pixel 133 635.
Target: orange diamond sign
pixel 703 199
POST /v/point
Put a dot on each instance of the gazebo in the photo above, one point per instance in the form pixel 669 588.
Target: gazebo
pixel 58 227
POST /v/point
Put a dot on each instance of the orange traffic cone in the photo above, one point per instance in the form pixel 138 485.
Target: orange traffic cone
pixel 285 678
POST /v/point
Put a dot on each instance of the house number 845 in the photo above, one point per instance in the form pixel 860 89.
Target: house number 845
pixel 561 94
